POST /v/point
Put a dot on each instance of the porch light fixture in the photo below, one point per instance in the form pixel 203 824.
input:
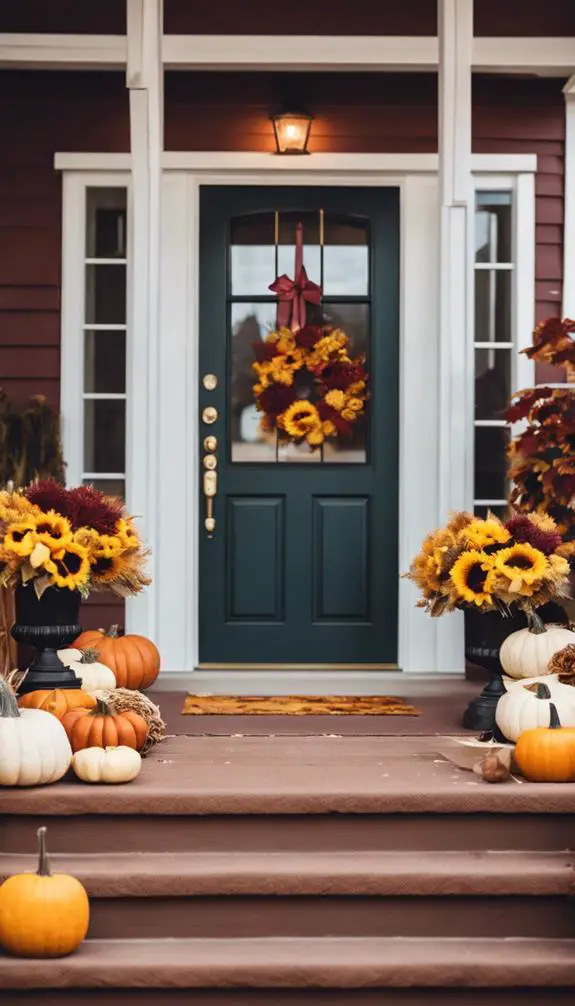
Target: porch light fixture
pixel 291 131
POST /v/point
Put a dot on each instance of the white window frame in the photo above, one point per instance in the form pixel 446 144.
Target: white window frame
pixel 73 321
pixel 523 249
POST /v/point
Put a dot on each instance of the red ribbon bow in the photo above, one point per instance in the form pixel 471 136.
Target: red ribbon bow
pixel 294 293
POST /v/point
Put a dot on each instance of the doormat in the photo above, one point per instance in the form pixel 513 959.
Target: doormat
pixel 296 705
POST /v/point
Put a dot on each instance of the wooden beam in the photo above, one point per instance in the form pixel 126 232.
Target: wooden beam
pixel 454 431
pixel 569 211
pixel 411 53
pixel 144 78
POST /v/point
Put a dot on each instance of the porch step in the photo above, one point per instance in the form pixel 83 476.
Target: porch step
pixel 312 964
pixel 340 894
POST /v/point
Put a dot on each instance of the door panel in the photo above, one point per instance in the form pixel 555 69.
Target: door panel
pixel 302 567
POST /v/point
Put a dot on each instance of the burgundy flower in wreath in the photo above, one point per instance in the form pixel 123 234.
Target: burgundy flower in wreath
pixel 264 352
pixel 276 399
pixel 308 336
pixel 340 375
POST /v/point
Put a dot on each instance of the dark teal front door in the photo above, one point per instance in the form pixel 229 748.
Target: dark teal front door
pixel 302 567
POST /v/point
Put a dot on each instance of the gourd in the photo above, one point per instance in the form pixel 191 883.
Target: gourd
pixel 547 754
pixel 134 660
pixel 93 673
pixel 527 652
pixel 57 701
pixel 42 914
pixel 111 764
pixel 34 748
pixel 528 707
pixel 100 728
pixel 561 693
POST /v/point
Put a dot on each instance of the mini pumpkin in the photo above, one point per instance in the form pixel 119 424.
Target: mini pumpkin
pixel 34 748
pixel 110 765
pixel 528 706
pixel 134 660
pixel 547 754
pixel 86 666
pixel 100 728
pixel 58 701
pixel 42 914
pixel 527 652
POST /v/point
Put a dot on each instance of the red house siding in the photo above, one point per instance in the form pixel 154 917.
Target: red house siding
pixel 41 113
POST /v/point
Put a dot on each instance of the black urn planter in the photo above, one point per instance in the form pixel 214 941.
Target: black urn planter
pixel 48 623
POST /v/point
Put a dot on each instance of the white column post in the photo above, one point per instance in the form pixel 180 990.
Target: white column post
pixel 145 82
pixel 455 194
pixel 569 212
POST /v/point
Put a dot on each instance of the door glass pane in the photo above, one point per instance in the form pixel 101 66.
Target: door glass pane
pixel 345 263
pixel 111 487
pixel 492 305
pixel 105 361
pixel 105 435
pixel 105 294
pixel 252 255
pixel 106 223
pixel 493 227
pixel 345 257
pixel 492 382
pixel 491 462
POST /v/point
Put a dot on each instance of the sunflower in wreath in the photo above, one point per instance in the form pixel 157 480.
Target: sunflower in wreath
pixel 308 388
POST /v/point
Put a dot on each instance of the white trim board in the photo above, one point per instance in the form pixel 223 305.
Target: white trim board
pixel 541 56
pixel 569 218
pixel 221 160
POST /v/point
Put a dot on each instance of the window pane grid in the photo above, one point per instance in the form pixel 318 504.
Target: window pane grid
pixel 104 334
pixel 493 344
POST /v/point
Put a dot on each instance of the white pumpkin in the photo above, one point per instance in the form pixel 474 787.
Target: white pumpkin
pixel 528 706
pixel 86 666
pixel 111 765
pixel 526 654
pixel 34 747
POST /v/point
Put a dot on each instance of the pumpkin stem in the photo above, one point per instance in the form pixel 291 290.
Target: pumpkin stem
pixel 543 692
pixel 113 632
pixel 89 656
pixel 535 623
pixel 554 721
pixel 8 705
pixel 101 708
pixel 43 864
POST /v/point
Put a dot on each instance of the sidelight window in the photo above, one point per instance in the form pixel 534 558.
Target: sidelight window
pixel 503 320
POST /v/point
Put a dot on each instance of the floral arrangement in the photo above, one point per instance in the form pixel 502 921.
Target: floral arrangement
pixel 78 539
pixel 308 387
pixel 488 565
pixel 542 456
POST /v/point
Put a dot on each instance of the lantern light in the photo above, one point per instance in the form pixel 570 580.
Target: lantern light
pixel 291 131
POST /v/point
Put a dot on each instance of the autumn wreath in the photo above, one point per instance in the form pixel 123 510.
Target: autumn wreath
pixel 308 387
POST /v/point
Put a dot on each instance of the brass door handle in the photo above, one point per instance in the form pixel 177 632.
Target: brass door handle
pixel 210 490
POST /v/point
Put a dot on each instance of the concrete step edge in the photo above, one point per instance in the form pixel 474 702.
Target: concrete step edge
pixel 301 963
pixel 311 873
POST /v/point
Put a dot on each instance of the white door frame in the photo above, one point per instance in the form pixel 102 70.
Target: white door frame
pixel 177 586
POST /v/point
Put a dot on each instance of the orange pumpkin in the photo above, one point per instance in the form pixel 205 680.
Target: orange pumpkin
pixel 57 701
pixel 42 914
pixel 134 660
pixel 99 728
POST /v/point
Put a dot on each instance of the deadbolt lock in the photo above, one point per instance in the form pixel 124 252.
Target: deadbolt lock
pixel 210 415
pixel 210 462
pixel 210 444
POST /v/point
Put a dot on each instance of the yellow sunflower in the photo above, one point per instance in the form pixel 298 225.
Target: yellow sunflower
pixel 469 576
pixel 328 428
pixel 20 538
pixel 355 404
pixel 107 546
pixel 349 415
pixel 285 342
pixel 109 568
pixel 300 419
pixel 336 399
pixel 88 538
pixel 53 530
pixel 127 533
pixel 281 372
pixel 481 533
pixel 521 564
pixel 70 567
pixel 315 437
